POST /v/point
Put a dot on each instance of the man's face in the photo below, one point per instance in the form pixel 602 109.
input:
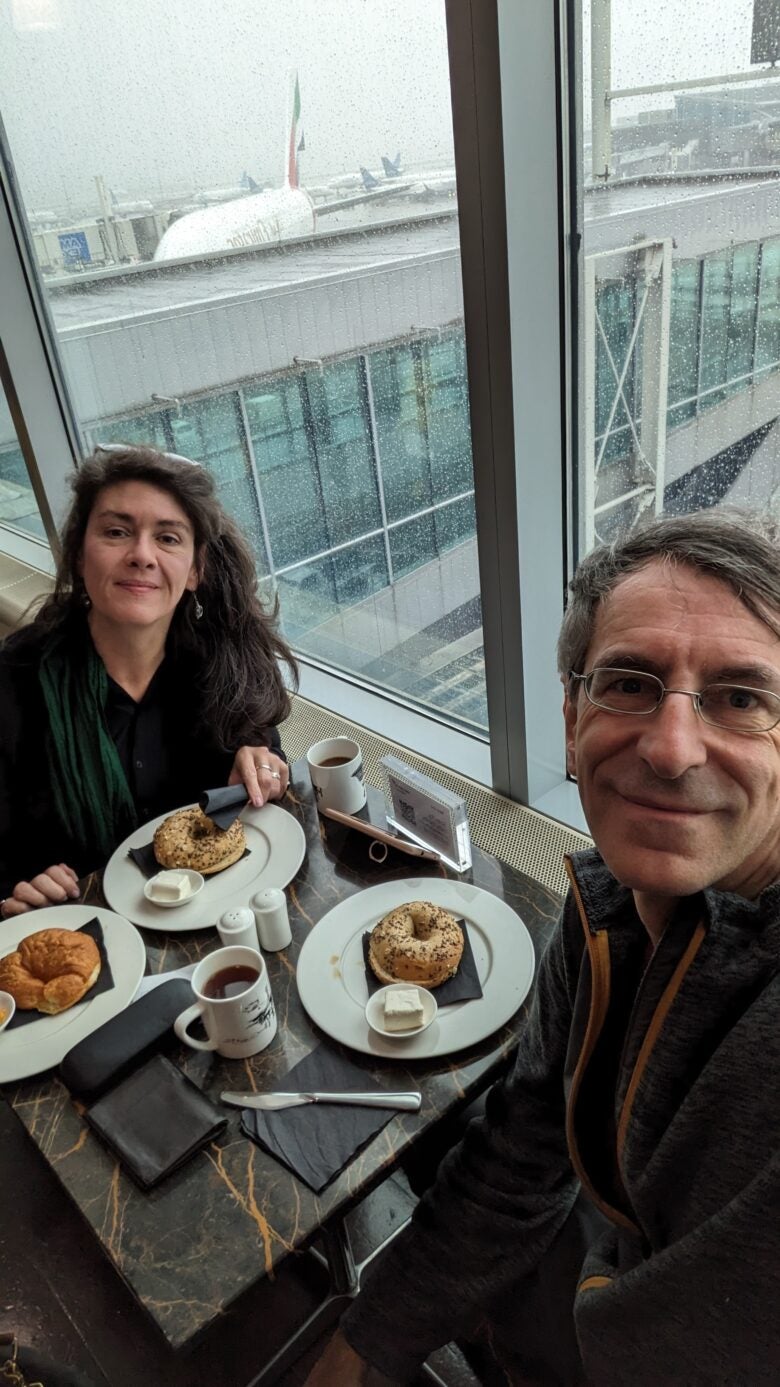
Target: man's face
pixel 674 804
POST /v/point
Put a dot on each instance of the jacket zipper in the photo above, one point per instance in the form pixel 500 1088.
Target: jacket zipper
pixel 652 1033
pixel 598 952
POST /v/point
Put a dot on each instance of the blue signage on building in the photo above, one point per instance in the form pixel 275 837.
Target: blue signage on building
pixel 75 250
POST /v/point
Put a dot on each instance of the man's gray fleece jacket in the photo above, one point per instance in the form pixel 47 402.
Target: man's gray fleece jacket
pixel 683 1156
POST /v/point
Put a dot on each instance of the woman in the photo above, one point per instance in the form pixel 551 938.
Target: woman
pixel 150 674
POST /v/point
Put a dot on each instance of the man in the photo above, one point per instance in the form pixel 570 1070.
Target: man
pixel 614 1220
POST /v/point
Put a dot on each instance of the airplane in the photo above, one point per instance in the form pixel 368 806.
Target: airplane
pixel 211 196
pixel 129 208
pixel 272 215
pixel 436 182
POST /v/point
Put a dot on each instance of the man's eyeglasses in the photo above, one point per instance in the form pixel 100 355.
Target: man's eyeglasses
pixel 733 706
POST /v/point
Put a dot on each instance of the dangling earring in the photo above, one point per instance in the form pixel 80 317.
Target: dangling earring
pixel 86 600
pixel 198 607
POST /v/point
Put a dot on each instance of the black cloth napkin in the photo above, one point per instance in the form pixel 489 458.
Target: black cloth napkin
pixel 317 1141
pixel 155 1120
pixel 224 806
pixel 105 980
pixel 464 987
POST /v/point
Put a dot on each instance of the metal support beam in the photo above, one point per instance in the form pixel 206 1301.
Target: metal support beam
pixel 600 76
pixel 655 362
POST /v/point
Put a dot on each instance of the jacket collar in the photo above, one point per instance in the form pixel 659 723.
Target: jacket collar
pixel 610 906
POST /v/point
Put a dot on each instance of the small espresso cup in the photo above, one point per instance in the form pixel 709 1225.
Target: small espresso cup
pixel 336 770
pixel 234 1002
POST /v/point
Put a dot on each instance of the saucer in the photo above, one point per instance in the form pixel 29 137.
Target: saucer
pixel 375 1007
pixel 196 884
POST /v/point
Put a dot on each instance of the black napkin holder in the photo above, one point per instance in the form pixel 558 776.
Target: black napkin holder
pixel 155 1121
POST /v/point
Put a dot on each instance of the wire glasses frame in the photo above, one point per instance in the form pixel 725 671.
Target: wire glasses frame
pixel 737 707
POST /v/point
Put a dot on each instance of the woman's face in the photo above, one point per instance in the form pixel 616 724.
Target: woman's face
pixel 138 556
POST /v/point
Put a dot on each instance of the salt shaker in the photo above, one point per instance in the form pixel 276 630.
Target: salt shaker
pixel 273 925
pixel 238 927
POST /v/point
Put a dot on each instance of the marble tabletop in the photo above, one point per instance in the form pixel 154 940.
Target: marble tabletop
pixel 190 1247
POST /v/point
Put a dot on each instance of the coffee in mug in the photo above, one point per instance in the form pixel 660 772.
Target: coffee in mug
pixel 234 1002
pixel 336 770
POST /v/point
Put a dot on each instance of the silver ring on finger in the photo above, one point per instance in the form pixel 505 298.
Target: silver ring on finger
pixel 264 766
pixel 275 775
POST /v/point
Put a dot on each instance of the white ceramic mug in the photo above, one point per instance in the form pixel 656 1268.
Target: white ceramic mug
pixel 238 1025
pixel 338 785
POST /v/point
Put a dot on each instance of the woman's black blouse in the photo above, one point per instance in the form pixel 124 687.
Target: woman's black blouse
pixel 165 757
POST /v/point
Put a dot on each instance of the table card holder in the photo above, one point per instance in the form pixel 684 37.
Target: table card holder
pixel 427 813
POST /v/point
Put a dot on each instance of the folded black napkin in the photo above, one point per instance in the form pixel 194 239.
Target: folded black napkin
pixel 464 987
pixel 104 982
pixel 224 806
pixel 317 1141
pixel 155 1120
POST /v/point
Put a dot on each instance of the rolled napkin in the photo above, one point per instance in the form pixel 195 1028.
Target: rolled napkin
pixel 224 805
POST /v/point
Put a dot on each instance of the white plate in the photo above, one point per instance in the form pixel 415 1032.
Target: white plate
pixel 30 1049
pixel 331 973
pixel 277 846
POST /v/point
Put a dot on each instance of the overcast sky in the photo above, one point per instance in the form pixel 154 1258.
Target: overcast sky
pixel 163 96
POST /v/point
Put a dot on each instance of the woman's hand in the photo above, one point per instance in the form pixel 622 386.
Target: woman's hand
pixel 265 775
pixel 52 887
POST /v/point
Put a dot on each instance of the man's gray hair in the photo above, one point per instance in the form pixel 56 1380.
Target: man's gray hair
pixel 740 548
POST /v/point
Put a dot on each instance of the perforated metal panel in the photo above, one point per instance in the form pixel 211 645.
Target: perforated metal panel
pixel 526 840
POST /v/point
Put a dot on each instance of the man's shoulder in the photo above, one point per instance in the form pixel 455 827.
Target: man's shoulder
pixel 595 892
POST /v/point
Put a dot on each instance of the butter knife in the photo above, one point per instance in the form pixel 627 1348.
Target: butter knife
pixel 409 1101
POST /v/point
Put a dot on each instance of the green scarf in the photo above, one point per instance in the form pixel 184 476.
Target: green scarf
pixel 90 789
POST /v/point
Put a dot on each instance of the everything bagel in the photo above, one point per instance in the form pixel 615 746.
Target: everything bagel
pixel 418 943
pixel 190 838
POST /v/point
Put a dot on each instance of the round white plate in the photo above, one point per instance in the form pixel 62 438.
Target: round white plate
pixel 30 1049
pixel 277 845
pixel 331 973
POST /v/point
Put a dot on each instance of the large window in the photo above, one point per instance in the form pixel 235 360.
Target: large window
pixel 377 375
pixel 295 326
pixel 679 333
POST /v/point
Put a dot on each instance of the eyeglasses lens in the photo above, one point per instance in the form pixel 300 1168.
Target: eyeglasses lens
pixel 732 706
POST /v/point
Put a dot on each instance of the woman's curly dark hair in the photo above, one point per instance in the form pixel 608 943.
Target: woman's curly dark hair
pixel 235 649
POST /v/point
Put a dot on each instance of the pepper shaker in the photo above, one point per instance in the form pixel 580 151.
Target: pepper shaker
pixel 238 927
pixel 273 924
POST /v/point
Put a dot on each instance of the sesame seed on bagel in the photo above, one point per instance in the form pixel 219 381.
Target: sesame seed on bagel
pixel 418 943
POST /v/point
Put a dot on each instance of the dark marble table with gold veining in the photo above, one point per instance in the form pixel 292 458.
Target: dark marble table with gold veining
pixel 190 1247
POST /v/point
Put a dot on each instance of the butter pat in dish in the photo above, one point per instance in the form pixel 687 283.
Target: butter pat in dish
pixel 399 1011
pixel 403 1009
pixel 7 1009
pixel 173 888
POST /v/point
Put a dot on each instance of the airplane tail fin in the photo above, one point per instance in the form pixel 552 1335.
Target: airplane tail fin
pixel 248 182
pixel 291 177
pixel 369 181
pixel 392 167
